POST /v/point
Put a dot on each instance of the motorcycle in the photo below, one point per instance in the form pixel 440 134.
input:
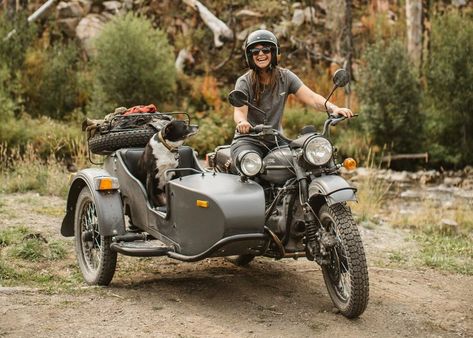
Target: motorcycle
pixel 292 204
pixel 305 203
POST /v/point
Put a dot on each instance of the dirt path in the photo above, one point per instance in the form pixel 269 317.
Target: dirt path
pixel 214 298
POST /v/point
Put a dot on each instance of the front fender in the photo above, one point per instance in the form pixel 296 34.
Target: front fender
pixel 333 188
pixel 108 204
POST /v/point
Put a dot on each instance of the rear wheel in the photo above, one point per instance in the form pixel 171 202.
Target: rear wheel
pixel 346 275
pixel 96 259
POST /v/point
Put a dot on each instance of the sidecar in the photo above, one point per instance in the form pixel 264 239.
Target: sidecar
pixel 208 214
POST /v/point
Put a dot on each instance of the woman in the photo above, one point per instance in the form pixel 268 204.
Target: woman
pixel 267 87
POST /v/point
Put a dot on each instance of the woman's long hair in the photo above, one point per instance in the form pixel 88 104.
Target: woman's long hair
pixel 258 87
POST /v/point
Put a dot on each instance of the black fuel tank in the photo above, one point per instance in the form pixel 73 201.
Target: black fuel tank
pixel 278 166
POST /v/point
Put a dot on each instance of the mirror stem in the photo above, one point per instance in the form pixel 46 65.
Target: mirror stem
pixel 328 97
pixel 258 110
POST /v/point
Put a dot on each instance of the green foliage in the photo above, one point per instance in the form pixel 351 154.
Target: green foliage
pixel 134 64
pixel 12 56
pixel 214 130
pixel 450 253
pixel 12 50
pixel 50 81
pixel 449 73
pixel 390 98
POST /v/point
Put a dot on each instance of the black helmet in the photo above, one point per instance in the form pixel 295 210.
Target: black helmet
pixel 264 37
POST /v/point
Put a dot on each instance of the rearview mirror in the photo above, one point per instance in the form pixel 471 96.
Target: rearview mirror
pixel 341 78
pixel 237 98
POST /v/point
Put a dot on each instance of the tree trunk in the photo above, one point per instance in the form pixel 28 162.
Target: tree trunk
pixel 346 46
pixel 414 30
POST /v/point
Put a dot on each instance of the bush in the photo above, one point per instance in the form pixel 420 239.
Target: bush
pixel 134 64
pixel 50 81
pixel 214 130
pixel 449 73
pixel 390 98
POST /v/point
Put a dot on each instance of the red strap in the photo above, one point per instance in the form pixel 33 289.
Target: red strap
pixel 151 108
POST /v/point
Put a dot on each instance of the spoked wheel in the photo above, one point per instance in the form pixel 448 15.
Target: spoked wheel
pixel 96 259
pixel 346 275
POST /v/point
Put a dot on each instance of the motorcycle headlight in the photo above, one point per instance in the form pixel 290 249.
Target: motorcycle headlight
pixel 250 163
pixel 318 151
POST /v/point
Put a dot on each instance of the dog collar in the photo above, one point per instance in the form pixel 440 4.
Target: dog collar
pixel 167 145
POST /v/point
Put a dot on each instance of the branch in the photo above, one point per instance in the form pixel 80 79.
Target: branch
pixel 221 31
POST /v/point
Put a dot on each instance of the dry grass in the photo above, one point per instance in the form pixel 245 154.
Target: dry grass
pixel 371 193
pixel 24 170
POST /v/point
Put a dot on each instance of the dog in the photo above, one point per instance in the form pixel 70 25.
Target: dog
pixel 161 154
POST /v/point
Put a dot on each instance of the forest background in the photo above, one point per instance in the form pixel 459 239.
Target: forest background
pixel 410 63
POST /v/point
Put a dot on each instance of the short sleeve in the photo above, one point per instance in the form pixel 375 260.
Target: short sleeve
pixel 243 85
pixel 293 82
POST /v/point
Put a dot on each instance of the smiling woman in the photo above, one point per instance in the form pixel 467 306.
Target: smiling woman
pixel 267 87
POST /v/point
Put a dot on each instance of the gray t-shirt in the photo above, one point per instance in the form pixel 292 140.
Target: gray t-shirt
pixel 271 103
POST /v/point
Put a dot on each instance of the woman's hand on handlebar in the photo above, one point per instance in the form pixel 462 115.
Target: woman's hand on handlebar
pixel 339 112
pixel 243 127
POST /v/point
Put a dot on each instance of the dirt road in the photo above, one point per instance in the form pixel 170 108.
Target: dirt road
pixel 213 298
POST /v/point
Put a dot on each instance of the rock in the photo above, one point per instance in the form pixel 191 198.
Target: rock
pixel 86 6
pixel 452 181
pixel 128 4
pixel 247 12
pixel 399 177
pixel 309 14
pixel 411 194
pixel 68 26
pixel 89 27
pixel 298 17
pixel 449 226
pixel 71 9
pixel 459 3
pixel 112 6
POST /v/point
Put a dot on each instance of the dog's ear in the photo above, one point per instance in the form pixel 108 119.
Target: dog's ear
pixel 168 129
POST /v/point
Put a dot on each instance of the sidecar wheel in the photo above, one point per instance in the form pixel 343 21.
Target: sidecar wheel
pixel 108 143
pixel 96 259
pixel 346 276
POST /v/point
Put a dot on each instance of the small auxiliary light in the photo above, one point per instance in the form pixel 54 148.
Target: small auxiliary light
pixel 202 204
pixel 349 163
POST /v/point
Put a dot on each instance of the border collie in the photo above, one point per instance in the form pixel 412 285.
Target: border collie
pixel 161 154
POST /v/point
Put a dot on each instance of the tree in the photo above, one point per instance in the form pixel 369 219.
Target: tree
pixel 449 73
pixel 390 98
pixel 414 30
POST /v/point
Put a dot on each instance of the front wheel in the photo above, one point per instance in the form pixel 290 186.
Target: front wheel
pixel 346 274
pixel 97 261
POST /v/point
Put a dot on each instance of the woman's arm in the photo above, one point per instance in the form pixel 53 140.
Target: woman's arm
pixel 240 115
pixel 309 97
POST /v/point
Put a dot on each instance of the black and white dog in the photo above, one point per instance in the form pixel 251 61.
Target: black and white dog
pixel 161 154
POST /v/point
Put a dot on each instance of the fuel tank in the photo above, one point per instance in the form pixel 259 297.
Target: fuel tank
pixel 278 166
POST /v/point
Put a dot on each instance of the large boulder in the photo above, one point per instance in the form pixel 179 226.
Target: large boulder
pixel 72 9
pixel 68 26
pixel 88 28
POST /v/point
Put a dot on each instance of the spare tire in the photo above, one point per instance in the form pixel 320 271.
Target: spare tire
pixel 103 144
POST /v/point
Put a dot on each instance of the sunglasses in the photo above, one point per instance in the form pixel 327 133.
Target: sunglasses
pixel 265 50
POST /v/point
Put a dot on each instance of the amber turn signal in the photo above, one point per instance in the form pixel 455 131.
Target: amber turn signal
pixel 349 163
pixel 202 204
pixel 103 183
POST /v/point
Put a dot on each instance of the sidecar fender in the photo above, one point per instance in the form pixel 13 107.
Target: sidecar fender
pixel 108 204
pixel 333 188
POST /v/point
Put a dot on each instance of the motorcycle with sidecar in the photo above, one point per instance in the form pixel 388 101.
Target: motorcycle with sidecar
pixel 290 204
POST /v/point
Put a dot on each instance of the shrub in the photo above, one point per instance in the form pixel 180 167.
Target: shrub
pixel 214 130
pixel 449 73
pixel 390 98
pixel 134 63
pixel 50 81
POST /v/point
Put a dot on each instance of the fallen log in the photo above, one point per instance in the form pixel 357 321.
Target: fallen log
pixel 222 32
